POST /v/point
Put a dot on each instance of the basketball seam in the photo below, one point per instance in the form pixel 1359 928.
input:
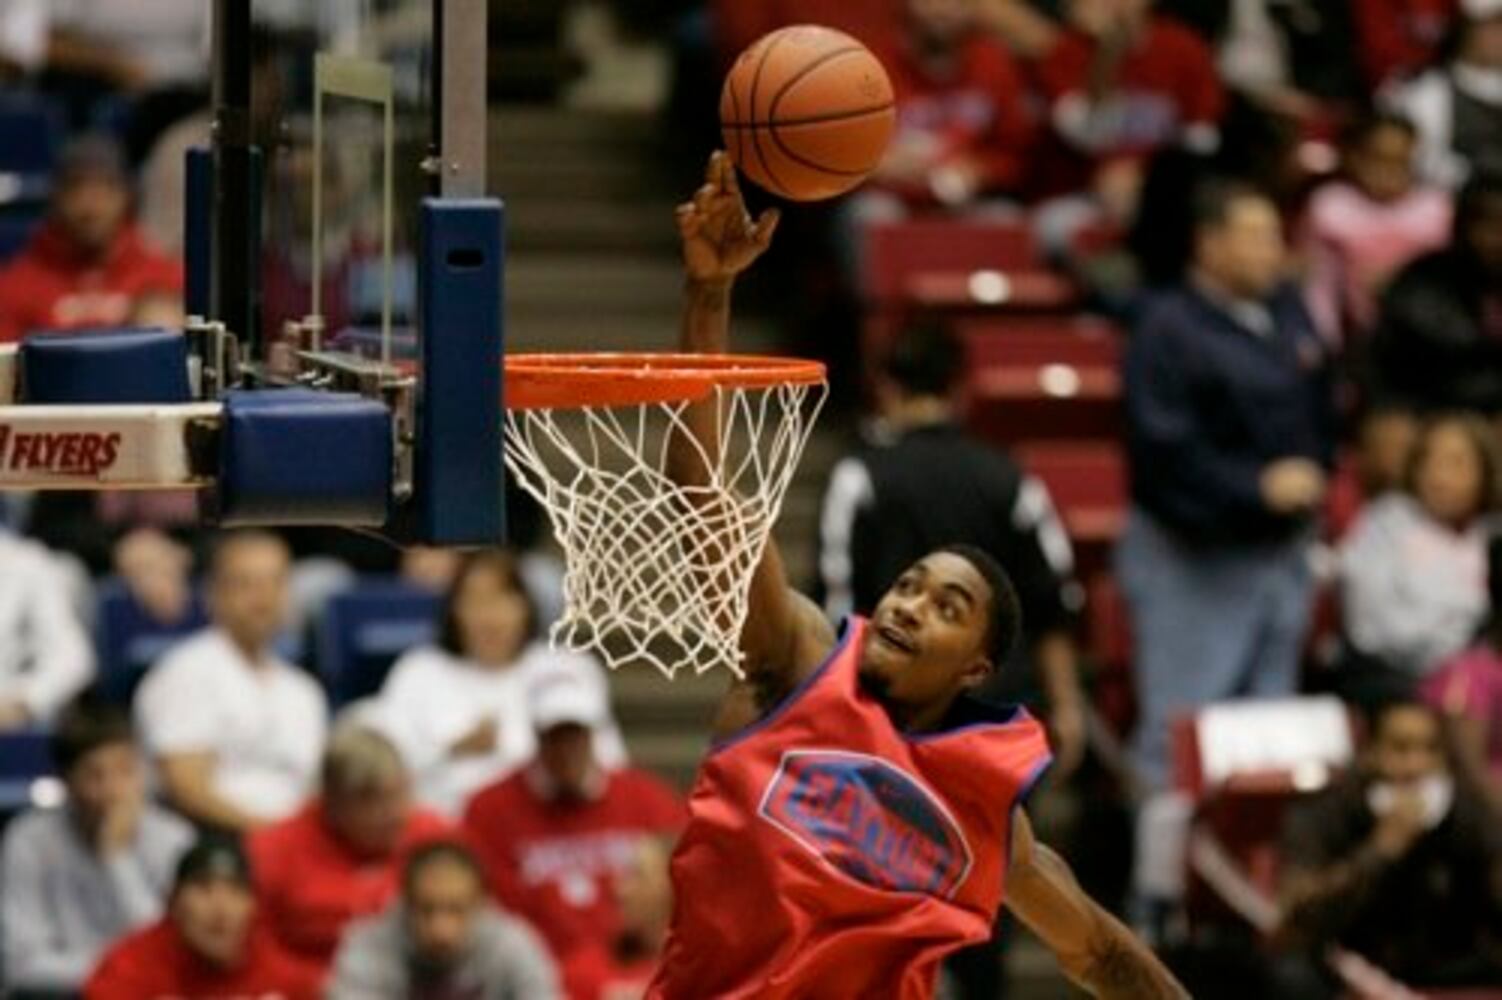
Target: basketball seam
pixel 803 73
pixel 751 101
pixel 810 164
pixel 813 119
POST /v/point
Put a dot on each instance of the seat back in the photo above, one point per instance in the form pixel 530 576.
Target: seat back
pixel 365 629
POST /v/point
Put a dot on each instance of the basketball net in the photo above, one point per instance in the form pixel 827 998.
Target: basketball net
pixel 656 571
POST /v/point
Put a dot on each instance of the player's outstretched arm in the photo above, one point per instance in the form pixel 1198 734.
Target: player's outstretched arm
pixel 1093 948
pixel 784 633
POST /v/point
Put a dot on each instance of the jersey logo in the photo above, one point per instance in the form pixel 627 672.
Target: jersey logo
pixel 869 820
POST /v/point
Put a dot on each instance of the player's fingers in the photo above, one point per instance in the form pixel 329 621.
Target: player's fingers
pixel 712 169
pixel 765 227
pixel 729 181
pixel 704 197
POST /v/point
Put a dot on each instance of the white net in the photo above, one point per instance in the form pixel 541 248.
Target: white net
pixel 656 571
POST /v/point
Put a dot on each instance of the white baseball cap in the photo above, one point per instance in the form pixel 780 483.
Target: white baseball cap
pixel 564 697
pixel 1480 10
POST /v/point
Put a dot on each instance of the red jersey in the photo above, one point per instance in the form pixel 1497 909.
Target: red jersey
pixel 599 974
pixel 554 862
pixel 47 286
pixel 310 885
pixel 978 112
pixel 829 854
pixel 155 964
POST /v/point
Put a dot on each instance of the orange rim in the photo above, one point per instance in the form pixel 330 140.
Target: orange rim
pixel 571 381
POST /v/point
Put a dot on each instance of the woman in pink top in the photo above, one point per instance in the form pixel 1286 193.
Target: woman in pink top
pixel 1467 691
pixel 1361 229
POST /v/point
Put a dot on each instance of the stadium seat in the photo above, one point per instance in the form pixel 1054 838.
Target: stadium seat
pixel 365 629
pixel 897 251
pixel 1043 381
pixel 25 757
pixel 33 128
pixel 1242 764
pixel 1087 480
pixel 129 641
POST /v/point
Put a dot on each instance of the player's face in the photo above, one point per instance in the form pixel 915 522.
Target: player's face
pixel 926 640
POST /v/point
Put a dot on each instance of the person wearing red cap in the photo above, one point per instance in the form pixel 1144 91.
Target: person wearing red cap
pixel 209 946
pixel 87 265
pixel 556 834
pixel 339 858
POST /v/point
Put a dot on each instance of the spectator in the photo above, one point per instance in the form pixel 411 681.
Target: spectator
pixel 1230 432
pixel 1385 439
pixel 1400 38
pixel 45 656
pixel 1413 568
pixel 924 482
pixel 88 265
pixel 1294 61
pixel 556 834
pixel 458 710
pixel 235 730
pixel 1121 84
pixel 208 946
pixel 1467 692
pixel 1458 107
pixel 1397 862
pixel 1362 229
pixel 75 877
pixel 962 126
pixel 1438 343
pixel 644 900
pixel 443 940
pixel 338 858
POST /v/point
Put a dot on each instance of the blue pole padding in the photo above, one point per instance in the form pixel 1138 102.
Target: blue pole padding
pixel 459 470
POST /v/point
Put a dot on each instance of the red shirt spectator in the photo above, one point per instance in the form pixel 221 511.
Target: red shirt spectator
pixel 623 971
pixel 311 882
pixel 1400 38
pixel 960 101
pixel 209 945
pixel 1159 89
pixel 87 265
pixel 157 964
pixel 739 23
pixel 556 834
pixel 599 974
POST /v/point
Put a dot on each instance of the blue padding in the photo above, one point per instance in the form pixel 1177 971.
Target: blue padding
pixel 105 366
pixel 25 756
pixel 363 630
pixel 301 457
pixel 459 470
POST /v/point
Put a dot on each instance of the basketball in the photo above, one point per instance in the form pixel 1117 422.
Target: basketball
pixel 807 112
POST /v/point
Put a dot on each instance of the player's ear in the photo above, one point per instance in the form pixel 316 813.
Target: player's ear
pixel 979 671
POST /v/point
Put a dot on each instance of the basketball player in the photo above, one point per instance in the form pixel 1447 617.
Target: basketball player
pixel 857 818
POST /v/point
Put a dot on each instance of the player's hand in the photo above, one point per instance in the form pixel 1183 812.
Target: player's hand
pixel 1070 734
pixel 1292 485
pixel 720 239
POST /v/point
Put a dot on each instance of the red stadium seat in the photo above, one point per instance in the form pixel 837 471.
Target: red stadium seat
pixel 897 251
pixel 1087 481
pixel 1043 380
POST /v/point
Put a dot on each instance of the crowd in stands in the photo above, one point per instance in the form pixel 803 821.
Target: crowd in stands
pixel 1289 213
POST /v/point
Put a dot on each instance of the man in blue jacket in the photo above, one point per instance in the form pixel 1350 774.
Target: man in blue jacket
pixel 1231 428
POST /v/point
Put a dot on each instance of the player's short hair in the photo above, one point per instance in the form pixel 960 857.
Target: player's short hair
pixel 1004 612
pixel 925 359
pixel 437 852
pixel 86 725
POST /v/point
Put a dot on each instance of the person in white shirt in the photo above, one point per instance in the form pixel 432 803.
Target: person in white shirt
pixel 75 877
pixel 45 655
pixel 236 731
pixel 458 710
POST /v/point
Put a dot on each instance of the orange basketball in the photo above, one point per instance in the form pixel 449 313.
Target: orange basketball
pixel 807 112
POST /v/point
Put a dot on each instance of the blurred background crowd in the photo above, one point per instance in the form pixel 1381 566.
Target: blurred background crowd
pixel 1189 311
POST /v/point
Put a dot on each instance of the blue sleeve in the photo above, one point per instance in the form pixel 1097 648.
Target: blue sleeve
pixel 1178 472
